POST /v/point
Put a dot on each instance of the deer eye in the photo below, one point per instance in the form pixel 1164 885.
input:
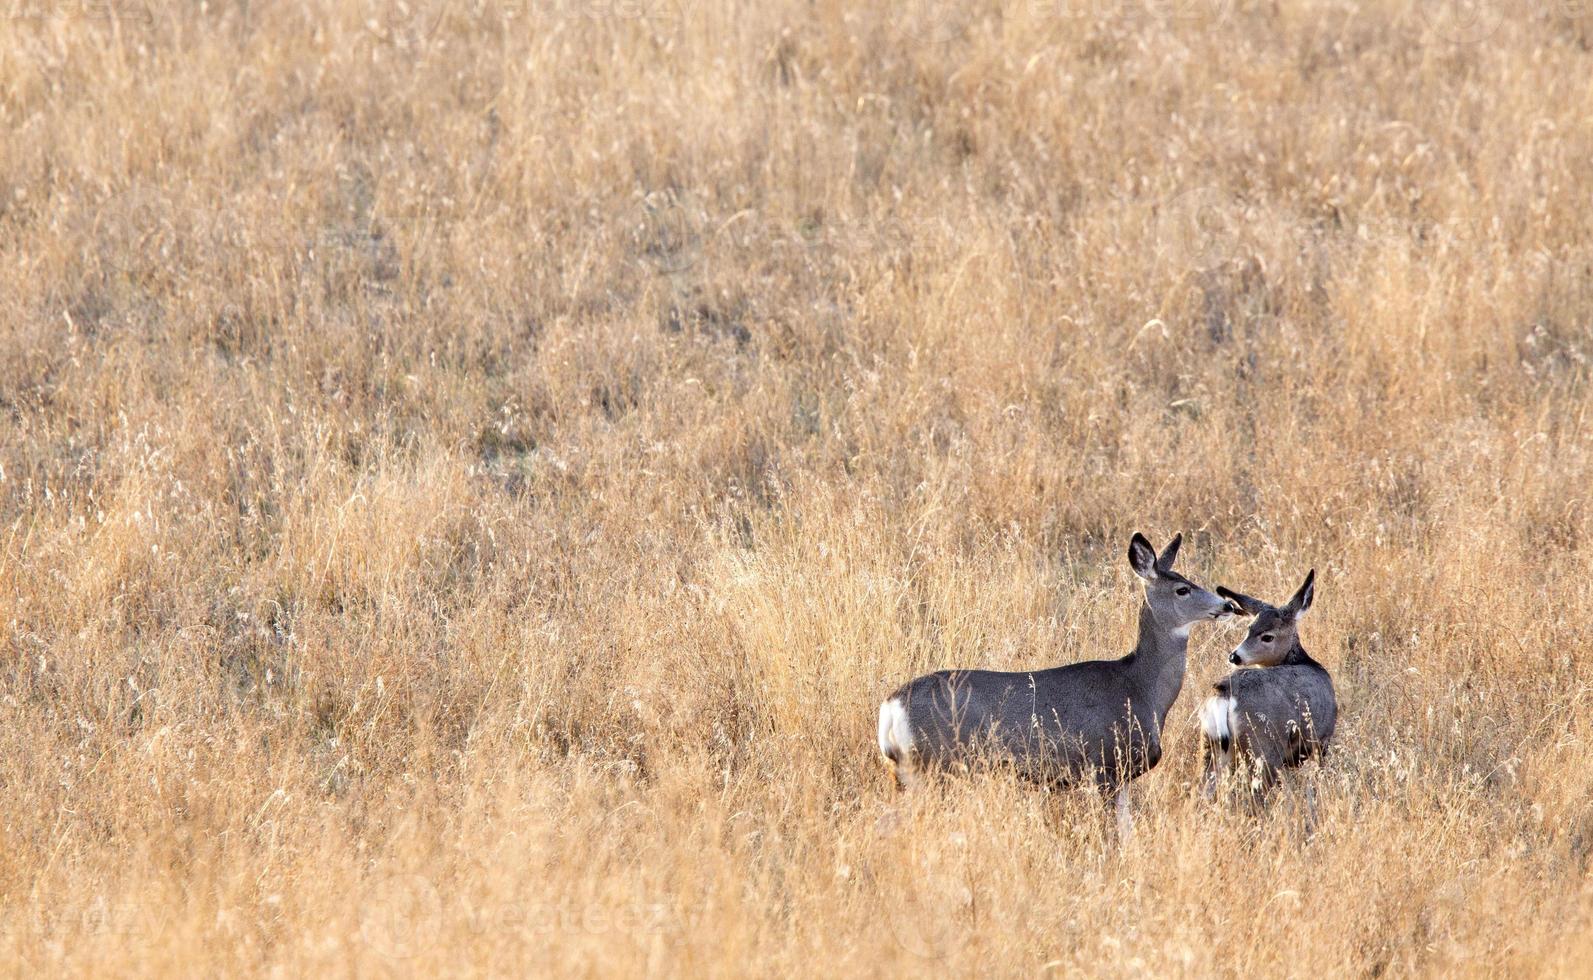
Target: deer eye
pixel 1266 638
pixel 1183 590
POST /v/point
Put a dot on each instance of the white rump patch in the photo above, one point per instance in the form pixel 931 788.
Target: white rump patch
pixel 895 735
pixel 1216 720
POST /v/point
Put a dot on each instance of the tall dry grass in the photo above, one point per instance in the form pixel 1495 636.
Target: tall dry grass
pixel 470 469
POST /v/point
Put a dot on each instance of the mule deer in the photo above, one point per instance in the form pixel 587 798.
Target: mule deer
pixel 1100 719
pixel 1274 717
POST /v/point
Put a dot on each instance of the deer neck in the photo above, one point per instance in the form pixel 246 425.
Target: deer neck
pixel 1298 657
pixel 1158 661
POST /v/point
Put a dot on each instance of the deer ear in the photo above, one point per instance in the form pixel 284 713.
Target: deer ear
pixel 1247 605
pixel 1302 599
pixel 1165 562
pixel 1142 557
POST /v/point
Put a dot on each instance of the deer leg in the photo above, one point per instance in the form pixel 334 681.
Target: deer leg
pixel 1125 816
pixel 1263 776
pixel 1310 806
pixel 1215 765
pixel 900 776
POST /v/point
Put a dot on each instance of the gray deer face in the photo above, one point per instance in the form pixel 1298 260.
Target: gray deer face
pixel 1273 634
pixel 1176 602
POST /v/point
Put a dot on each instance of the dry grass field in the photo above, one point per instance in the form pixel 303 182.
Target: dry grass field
pixel 470 470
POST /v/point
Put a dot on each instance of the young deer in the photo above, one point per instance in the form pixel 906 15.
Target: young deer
pixel 1271 718
pixel 1101 718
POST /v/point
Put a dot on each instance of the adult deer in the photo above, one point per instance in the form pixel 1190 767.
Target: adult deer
pixel 1099 720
